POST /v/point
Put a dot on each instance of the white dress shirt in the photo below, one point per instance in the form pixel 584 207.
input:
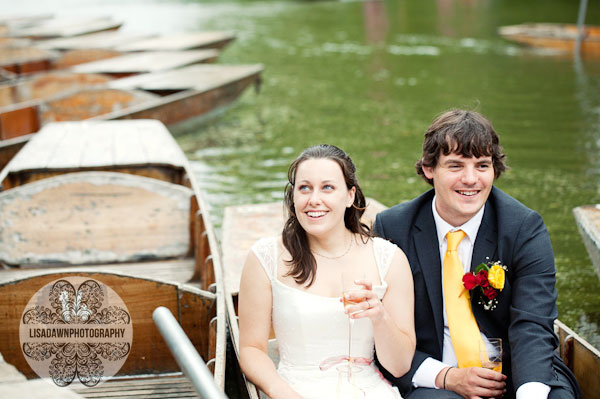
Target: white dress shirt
pixel 428 370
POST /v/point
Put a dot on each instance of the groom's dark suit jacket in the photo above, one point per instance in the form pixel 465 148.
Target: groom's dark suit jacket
pixel 524 317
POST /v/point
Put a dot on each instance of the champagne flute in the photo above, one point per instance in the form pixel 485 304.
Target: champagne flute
pixel 490 354
pixel 349 286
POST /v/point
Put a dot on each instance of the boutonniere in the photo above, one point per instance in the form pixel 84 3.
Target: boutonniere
pixel 489 277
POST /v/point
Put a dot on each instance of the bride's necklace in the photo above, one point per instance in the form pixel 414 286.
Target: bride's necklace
pixel 338 256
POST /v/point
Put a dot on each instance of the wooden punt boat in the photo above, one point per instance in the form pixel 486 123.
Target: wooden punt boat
pixel 244 224
pixel 46 85
pixel 126 42
pixel 52 83
pixel 117 204
pixel 146 62
pixel 588 223
pixel 99 40
pixel 560 37
pixel 181 41
pixel 26 60
pixel 170 96
pixel 70 58
pixel 47 28
pixel 22 60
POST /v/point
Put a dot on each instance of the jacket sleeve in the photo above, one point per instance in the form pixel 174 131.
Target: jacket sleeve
pixel 533 304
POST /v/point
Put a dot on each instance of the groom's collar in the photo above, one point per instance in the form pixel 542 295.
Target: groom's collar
pixel 471 227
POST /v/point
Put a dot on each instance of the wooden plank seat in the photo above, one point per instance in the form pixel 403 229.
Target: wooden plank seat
pixel 88 217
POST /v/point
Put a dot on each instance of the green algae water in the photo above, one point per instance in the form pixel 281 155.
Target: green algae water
pixel 369 77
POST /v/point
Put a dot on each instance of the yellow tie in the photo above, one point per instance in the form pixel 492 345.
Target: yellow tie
pixel 463 326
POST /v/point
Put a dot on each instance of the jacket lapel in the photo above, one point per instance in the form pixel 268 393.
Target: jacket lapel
pixel 427 248
pixel 485 247
pixel 485 243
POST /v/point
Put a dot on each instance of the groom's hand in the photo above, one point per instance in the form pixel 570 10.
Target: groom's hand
pixel 475 382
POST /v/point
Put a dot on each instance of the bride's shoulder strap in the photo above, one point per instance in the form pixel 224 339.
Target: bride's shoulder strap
pixel 384 252
pixel 265 250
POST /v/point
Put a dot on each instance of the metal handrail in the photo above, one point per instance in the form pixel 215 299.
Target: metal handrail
pixel 186 355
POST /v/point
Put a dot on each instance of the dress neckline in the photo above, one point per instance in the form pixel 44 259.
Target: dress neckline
pixel 382 285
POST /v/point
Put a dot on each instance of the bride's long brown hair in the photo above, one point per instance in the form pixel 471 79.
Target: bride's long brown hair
pixel 303 263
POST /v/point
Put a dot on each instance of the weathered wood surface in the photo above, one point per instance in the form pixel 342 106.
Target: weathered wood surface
pixel 243 225
pixel 73 145
pixel 14 384
pixel 588 223
pixel 19 120
pixel 170 271
pixel 187 92
pixel 24 60
pixel 13 42
pixel 64 27
pixel 198 77
pixel 47 85
pixel 24 118
pixel 582 358
pixel 9 148
pixel 9 22
pixel 149 354
pixel 71 58
pixel 560 37
pixel 6 76
pixel 142 147
pixel 196 283
pixel 180 41
pixel 152 61
pixel 100 40
pixel 94 217
pixel 156 387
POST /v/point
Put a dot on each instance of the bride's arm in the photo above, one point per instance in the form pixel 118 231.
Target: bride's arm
pixel 393 318
pixel 255 303
pixel 395 339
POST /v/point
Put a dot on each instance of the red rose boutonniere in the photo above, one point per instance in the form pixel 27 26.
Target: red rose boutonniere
pixel 489 277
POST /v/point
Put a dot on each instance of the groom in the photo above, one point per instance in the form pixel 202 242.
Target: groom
pixel 450 230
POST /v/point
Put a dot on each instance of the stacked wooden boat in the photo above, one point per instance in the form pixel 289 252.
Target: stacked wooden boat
pixel 85 71
pixel 116 202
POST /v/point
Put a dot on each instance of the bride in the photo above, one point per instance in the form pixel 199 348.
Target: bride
pixel 294 283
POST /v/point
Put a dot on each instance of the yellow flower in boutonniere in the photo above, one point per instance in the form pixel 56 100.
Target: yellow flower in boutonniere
pixel 496 277
pixel 490 278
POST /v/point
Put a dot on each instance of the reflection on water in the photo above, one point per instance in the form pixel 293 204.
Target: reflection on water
pixel 369 77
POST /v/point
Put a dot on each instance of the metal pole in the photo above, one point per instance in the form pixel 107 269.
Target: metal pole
pixel 580 23
pixel 186 355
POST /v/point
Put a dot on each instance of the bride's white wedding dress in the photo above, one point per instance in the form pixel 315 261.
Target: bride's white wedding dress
pixel 312 334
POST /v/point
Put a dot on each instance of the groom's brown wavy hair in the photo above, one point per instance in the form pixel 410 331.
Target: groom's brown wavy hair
pixel 467 133
pixel 303 263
